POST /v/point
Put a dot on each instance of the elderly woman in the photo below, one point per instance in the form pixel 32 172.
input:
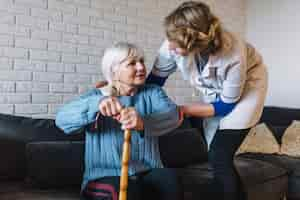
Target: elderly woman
pixel 126 103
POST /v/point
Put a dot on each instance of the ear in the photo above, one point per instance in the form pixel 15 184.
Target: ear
pixel 116 73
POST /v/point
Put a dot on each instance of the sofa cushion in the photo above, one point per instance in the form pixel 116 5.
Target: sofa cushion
pixel 182 147
pixel 261 180
pixel 12 154
pixel 259 140
pixel 28 129
pixel 15 132
pixel 19 190
pixel 277 131
pixel 61 163
pixel 290 163
pixel 55 164
pixel 279 116
pixel 291 140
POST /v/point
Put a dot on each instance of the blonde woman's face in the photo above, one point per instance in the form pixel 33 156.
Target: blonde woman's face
pixel 173 46
pixel 132 71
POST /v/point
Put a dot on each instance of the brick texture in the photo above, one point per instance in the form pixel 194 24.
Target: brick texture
pixel 50 50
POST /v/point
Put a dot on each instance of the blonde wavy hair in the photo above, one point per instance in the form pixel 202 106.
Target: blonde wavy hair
pixel 193 27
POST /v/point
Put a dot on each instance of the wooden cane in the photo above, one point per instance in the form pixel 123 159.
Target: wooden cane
pixel 125 154
pixel 124 169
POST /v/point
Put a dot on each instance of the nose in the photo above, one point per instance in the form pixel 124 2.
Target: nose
pixel 140 66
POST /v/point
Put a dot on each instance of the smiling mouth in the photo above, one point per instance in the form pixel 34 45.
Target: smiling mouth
pixel 141 75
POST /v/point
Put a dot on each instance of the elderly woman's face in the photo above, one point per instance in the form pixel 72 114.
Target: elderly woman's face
pixel 132 71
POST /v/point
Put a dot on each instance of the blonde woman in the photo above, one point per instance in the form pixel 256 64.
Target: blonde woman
pixel 126 103
pixel 228 74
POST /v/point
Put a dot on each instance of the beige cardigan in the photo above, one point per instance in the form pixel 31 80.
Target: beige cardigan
pixel 237 75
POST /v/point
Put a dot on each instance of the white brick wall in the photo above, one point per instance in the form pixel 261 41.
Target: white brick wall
pixel 50 50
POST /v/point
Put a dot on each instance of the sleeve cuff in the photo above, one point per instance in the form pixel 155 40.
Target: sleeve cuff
pixel 221 108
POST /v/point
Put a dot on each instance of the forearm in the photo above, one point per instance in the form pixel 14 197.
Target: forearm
pixel 78 113
pixel 198 110
pixel 161 123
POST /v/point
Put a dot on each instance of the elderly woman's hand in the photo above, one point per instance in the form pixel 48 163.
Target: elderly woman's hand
pixel 130 119
pixel 110 107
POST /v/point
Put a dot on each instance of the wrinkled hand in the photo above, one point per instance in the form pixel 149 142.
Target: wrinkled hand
pixel 110 107
pixel 130 119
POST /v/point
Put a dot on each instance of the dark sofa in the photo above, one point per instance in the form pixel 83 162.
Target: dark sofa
pixel 38 161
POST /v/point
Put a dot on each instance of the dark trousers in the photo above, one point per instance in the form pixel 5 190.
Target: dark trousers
pixel 226 184
pixel 158 184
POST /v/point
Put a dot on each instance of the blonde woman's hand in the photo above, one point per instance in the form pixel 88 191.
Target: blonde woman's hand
pixel 110 107
pixel 130 119
pixel 101 84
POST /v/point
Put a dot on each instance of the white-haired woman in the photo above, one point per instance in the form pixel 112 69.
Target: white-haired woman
pixel 126 103
pixel 229 74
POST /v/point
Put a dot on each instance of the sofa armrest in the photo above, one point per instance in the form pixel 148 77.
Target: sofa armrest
pixel 16 132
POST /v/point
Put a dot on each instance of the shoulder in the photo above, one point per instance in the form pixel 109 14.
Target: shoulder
pixel 91 92
pixel 152 92
pixel 164 47
pixel 151 89
pixel 164 51
pixel 155 98
pixel 242 52
pixel 233 44
pixel 233 51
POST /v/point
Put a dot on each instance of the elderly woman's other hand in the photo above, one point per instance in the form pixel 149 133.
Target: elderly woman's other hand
pixel 130 119
pixel 110 107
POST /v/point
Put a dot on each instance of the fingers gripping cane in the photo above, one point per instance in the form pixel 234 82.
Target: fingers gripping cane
pixel 124 169
pixel 106 89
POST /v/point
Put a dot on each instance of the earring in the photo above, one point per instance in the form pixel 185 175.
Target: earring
pixel 195 92
pixel 115 88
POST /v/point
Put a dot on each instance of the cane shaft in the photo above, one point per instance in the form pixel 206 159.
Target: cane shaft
pixel 124 169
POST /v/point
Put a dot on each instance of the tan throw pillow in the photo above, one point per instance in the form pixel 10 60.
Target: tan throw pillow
pixel 259 140
pixel 290 144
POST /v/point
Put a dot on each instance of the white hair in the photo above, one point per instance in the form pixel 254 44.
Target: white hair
pixel 116 54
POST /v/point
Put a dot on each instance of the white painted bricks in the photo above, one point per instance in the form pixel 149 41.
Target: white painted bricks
pixel 50 50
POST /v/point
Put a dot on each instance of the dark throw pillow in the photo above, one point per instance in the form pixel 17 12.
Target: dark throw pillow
pixel 182 147
pixel 55 164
